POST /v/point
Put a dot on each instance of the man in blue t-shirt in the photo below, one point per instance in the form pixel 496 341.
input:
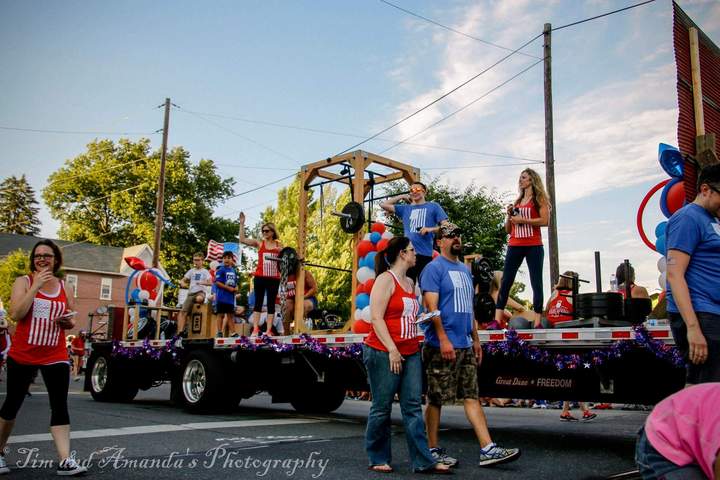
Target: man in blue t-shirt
pixel 452 351
pixel 421 221
pixel 226 283
pixel 693 279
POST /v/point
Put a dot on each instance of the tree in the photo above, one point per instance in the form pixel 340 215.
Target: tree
pixel 12 266
pixel 18 207
pixel 107 196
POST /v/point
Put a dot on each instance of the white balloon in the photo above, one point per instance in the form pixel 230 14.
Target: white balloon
pixel 367 237
pixel 214 265
pixel 662 264
pixel 662 281
pixel 364 274
pixel 387 234
pixel 365 315
pixel 144 295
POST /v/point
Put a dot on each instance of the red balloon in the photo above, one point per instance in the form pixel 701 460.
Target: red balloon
pixel 676 197
pixel 360 326
pixel 367 286
pixel 360 289
pixel 365 247
pixel 136 263
pixel 378 227
pixel 148 281
pixel 435 254
pixel 382 244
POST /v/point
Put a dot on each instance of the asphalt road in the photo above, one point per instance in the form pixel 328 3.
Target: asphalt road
pixel 150 438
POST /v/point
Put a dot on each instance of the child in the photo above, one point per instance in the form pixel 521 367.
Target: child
pixel 226 281
pixel 195 280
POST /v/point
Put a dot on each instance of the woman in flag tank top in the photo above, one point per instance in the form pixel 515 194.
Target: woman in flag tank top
pixel 42 310
pixel 266 279
pixel 392 358
pixel 530 211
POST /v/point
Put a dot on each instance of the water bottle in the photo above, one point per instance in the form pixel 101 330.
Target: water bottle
pixel 613 283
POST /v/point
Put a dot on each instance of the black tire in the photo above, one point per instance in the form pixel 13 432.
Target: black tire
pixel 106 383
pixel 205 384
pixel 318 398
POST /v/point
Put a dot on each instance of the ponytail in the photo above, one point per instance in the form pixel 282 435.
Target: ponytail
pixel 385 259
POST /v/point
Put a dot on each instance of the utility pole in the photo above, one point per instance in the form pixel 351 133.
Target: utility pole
pixel 161 188
pixel 550 158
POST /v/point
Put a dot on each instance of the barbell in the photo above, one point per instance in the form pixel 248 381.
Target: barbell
pixel 352 217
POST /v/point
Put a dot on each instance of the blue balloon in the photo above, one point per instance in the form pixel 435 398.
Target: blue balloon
pixel 135 295
pixel 363 263
pixel 375 237
pixel 671 160
pixel 362 300
pixel 370 260
pixel 660 229
pixel 660 245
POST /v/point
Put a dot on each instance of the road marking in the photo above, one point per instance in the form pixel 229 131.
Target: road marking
pixel 145 429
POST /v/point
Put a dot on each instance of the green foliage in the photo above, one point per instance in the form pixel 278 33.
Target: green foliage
pixel 477 211
pixel 107 196
pixel 15 264
pixel 18 207
pixel 516 290
pixel 326 244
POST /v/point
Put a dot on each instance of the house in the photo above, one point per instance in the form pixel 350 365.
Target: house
pixel 95 275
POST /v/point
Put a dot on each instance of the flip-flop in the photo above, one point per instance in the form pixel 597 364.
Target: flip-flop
pixel 435 470
pixel 383 468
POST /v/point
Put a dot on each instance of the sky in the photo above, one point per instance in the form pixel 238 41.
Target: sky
pixel 263 87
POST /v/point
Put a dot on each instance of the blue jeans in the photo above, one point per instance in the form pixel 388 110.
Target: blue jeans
pixel 513 259
pixel 384 385
pixel 653 466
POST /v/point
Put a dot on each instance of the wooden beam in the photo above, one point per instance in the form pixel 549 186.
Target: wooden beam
pixel 696 83
pixel 333 176
pixel 402 167
pixel 328 162
pixel 299 314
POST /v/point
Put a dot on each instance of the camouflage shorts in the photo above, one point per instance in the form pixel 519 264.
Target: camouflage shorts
pixel 450 381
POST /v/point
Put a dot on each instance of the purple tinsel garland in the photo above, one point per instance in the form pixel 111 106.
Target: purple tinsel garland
pixel 515 347
pixel 147 351
pixel 308 343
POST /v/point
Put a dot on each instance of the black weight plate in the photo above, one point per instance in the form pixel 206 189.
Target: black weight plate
pixel 484 308
pixel 288 261
pixel 353 222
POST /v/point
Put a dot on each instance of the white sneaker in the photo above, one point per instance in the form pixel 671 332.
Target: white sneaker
pixel 70 467
pixel 3 465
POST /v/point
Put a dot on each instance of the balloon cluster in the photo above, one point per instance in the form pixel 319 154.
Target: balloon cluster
pixel 145 283
pixel 367 249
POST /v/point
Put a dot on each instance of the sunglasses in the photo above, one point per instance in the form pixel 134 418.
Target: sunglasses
pixel 453 234
pixel 265 230
pixel 417 189
pixel 44 256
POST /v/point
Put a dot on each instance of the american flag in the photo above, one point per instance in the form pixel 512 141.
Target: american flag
pixel 216 249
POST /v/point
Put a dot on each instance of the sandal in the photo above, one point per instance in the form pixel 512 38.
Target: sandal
pixel 383 468
pixel 436 469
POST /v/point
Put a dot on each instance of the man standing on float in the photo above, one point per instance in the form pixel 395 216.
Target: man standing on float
pixel 421 220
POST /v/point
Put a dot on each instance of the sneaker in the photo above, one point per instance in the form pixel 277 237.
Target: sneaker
pixel 588 415
pixel 70 467
pixel 219 335
pixel 494 454
pixel 3 465
pixel 567 417
pixel 540 404
pixel 440 456
pixel 255 333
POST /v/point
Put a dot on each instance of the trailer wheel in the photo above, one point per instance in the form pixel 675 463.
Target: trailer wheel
pixel 318 398
pixel 205 385
pixel 106 385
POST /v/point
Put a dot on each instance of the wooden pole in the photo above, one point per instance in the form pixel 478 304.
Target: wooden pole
pixel 299 313
pixel 550 159
pixel 161 188
pixel 358 164
pixel 696 83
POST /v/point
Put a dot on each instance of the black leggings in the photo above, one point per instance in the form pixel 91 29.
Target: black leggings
pixel 19 377
pixel 513 259
pixel 262 285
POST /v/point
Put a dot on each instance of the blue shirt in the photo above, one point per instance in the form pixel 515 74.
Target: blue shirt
pixel 693 230
pixel 227 276
pixel 453 282
pixel 414 217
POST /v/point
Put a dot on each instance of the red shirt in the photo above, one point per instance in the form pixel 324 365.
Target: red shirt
pixel 78 346
pixel 560 307
pixel 267 265
pixel 525 235
pixel 38 339
pixel 400 315
pixel 290 286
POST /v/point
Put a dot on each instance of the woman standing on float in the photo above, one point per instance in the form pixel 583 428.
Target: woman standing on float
pixel 524 219
pixel 267 274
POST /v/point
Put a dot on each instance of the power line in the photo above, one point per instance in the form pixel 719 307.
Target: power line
pixel 600 16
pixel 407 117
pixel 352 135
pixel 429 20
pixel 253 167
pixel 465 106
pixel 480 166
pixel 76 132
pixel 261 186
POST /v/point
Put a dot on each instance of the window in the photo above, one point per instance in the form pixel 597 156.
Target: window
pixel 106 289
pixel 71 282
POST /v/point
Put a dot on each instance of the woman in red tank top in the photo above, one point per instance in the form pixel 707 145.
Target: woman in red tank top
pixel 266 279
pixel 43 311
pixel 392 359
pixel 530 211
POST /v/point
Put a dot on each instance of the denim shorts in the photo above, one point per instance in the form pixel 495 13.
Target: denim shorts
pixel 653 466
pixel 710 327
